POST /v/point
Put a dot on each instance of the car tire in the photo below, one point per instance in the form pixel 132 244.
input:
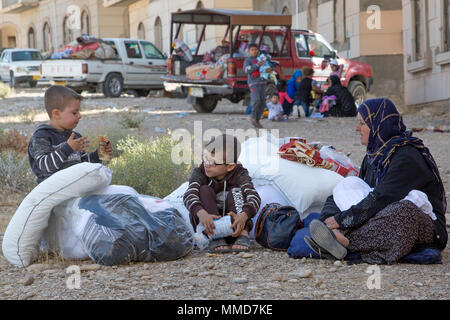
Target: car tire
pixel 358 91
pixel 113 85
pixel 12 80
pixel 206 104
pixel 32 83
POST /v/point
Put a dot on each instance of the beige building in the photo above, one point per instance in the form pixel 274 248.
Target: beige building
pixel 50 24
pixel 426 37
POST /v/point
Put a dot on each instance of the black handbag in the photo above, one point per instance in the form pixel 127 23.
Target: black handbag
pixel 276 226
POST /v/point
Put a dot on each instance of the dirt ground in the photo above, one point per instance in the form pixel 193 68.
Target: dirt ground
pixel 263 274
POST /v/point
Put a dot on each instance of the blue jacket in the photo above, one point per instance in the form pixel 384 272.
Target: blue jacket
pixel 292 85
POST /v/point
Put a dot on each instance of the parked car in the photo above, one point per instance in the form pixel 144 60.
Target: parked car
pixel 137 65
pixel 291 49
pixel 20 66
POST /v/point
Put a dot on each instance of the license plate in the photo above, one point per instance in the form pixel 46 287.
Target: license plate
pixel 36 77
pixel 196 92
pixel 59 83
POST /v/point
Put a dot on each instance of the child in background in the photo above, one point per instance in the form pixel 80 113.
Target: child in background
pixel 336 68
pixel 303 95
pixel 275 109
pixel 285 100
pixel 256 84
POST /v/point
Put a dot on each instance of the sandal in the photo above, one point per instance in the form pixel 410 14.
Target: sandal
pixel 241 241
pixel 326 239
pixel 317 249
pixel 219 243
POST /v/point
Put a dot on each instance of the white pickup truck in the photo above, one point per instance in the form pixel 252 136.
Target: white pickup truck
pixel 138 66
pixel 20 66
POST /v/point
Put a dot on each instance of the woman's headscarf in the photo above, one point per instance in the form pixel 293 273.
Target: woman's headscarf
pixel 292 85
pixel 335 80
pixel 387 133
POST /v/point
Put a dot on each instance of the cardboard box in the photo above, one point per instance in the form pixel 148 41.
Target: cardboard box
pixel 204 72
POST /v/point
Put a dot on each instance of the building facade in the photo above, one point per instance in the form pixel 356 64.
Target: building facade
pixel 151 20
pixel 426 37
pixel 50 24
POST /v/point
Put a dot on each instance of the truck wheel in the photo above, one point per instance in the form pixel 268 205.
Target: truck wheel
pixel 358 91
pixel 32 83
pixel 113 85
pixel 79 91
pixel 271 88
pixel 12 80
pixel 206 104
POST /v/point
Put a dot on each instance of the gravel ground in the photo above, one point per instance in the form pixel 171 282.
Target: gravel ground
pixel 261 274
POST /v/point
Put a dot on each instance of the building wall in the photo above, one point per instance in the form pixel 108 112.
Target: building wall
pixel 103 22
pixel 426 80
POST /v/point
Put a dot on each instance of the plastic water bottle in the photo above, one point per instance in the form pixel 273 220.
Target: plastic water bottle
pixel 222 230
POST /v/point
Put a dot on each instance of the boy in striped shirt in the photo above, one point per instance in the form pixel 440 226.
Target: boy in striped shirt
pixel 218 187
pixel 55 146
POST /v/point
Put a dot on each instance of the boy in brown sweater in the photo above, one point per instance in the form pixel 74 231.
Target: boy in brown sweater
pixel 218 187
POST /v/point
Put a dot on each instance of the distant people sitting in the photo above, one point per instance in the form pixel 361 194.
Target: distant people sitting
pixel 344 105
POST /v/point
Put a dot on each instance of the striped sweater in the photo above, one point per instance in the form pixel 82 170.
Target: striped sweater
pixel 238 178
pixel 49 152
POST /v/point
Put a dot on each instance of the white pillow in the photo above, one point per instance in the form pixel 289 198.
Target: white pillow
pixel 24 232
pixel 302 186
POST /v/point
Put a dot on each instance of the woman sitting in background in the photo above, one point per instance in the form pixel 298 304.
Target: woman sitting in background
pixel 345 103
pixel 384 227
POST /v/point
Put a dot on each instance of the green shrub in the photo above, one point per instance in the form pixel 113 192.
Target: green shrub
pixel 147 166
pixel 15 172
pixel 4 90
pixel 131 119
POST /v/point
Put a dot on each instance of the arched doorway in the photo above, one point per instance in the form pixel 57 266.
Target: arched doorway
pixel 158 34
pixel 67 32
pixel 31 38
pixel 85 28
pixel 141 31
pixel 47 37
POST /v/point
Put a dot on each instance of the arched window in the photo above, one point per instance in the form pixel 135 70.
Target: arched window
pixel 285 10
pixel 158 34
pixel 67 31
pixel 313 15
pixel 47 37
pixel 141 31
pixel 199 27
pixel 31 38
pixel 85 28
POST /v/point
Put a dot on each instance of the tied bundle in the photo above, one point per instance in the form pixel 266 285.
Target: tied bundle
pixel 299 151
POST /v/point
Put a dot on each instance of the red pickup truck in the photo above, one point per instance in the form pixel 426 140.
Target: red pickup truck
pixel 291 49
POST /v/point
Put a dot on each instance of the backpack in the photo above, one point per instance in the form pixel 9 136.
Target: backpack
pixel 276 226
